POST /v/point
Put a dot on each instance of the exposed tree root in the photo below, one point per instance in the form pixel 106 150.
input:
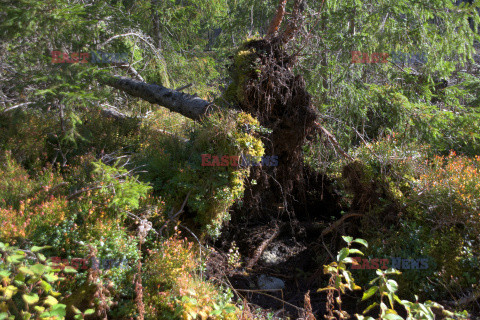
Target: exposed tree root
pixel 258 252
pixel 337 223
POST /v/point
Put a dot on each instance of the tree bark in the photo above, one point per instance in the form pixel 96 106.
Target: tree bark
pixel 156 25
pixel 277 20
pixel 187 105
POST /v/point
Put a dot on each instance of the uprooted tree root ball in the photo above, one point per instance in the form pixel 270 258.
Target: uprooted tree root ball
pixel 265 86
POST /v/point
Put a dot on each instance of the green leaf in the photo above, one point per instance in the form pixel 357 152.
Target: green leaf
pixel 392 316
pixel 38 269
pixel 363 318
pixel 392 271
pixel 37 249
pixel 59 310
pixel 216 312
pixel 397 299
pixel 383 306
pixel 89 311
pixel 26 315
pixel 18 283
pixel 3 315
pixel 39 309
pixel 325 289
pixel 50 301
pixel 69 270
pixel 76 310
pixel 20 277
pixel 25 270
pixel 338 281
pixel 392 285
pixel 50 277
pixel 45 286
pixel 425 310
pixel 347 239
pixel 55 294
pixel 16 258
pixel 374 280
pixel 356 251
pixel 370 292
pixel 41 257
pixel 390 298
pixel 30 298
pixel 230 309
pixel 33 280
pixel 9 292
pixel 348 259
pixel 346 274
pixel 370 307
pixel 342 254
pixel 4 274
pixel 361 241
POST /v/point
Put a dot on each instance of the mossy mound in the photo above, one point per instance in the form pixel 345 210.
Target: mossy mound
pixel 210 190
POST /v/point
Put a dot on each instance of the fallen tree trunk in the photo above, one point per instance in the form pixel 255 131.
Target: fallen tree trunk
pixel 187 105
pixel 263 85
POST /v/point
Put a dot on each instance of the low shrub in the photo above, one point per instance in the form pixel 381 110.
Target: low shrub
pixel 390 306
pixel 27 202
pixel 28 286
pixel 412 204
pixel 174 289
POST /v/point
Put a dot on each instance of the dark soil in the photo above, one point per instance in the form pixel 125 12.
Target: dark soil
pixel 296 255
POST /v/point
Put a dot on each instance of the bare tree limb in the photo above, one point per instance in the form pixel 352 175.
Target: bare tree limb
pixel 295 22
pixel 154 50
pixel 77 193
pixel 112 113
pixel 130 70
pixel 184 87
pixel 17 106
pixel 333 141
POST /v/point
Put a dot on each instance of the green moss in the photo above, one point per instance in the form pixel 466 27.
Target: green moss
pixel 243 69
pixel 213 190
